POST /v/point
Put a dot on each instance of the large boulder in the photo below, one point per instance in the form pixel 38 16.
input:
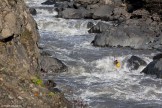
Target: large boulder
pixel 33 11
pixel 135 34
pixel 52 65
pixel 154 68
pixel 134 62
pixel 157 56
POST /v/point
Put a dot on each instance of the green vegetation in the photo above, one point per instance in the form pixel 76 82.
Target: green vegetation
pixel 51 94
pixel 37 81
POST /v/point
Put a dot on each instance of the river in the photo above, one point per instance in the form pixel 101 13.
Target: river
pixel 91 75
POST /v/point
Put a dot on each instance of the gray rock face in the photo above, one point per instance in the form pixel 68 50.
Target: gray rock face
pixel 158 56
pixel 33 11
pixel 52 65
pixel 18 37
pixel 154 68
pixel 134 62
pixel 137 35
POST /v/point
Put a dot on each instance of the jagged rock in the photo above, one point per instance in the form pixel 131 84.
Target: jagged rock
pixel 52 65
pixel 45 53
pixel 90 25
pixel 20 35
pixel 154 68
pixel 20 58
pixel 134 62
pixel 157 56
pixel 33 11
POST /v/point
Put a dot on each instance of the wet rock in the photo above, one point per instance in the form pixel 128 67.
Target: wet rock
pixel 100 27
pixel 33 11
pixel 134 62
pixel 135 34
pixel 52 65
pixel 55 90
pixel 45 53
pixel 50 83
pixel 63 5
pixel 90 25
pixel 49 2
pixel 70 13
pixel 157 56
pixel 154 68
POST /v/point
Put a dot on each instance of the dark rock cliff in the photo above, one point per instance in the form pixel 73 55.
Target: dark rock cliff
pixel 20 84
pixel 18 37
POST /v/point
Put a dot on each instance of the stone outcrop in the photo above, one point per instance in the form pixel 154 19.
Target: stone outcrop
pixel 134 62
pixel 20 85
pixel 19 36
pixel 135 33
pixel 154 67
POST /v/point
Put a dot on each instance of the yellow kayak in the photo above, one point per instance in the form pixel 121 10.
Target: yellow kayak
pixel 117 63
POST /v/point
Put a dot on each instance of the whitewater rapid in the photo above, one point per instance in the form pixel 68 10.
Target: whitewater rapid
pixel 91 74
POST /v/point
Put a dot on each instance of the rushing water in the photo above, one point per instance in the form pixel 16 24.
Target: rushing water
pixel 91 75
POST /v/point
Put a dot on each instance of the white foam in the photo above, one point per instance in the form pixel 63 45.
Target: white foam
pixel 46 13
pixel 34 2
pixel 65 27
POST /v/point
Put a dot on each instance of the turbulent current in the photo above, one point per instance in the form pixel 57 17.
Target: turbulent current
pixel 91 75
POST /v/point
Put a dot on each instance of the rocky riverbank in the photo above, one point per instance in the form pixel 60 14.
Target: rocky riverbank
pixel 20 61
pixel 136 24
